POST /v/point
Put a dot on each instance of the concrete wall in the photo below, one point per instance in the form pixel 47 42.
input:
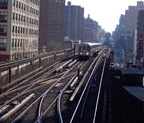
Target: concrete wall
pixel 125 107
pixel 13 73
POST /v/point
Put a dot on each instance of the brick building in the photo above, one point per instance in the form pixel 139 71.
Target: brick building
pixel 90 30
pixel 73 24
pixel 51 34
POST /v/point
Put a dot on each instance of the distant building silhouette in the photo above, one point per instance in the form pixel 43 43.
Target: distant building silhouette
pixel 125 33
pixel 90 31
pixel 140 36
pixel 131 17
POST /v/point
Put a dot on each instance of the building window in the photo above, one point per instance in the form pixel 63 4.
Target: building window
pixel 13 28
pixel 21 43
pixel 13 17
pixel 13 42
pixel 14 2
pixel 18 42
pixel 2 43
pixel 3 28
pixel 3 15
pixel 3 2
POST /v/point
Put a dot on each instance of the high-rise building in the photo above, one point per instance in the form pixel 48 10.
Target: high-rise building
pixel 131 17
pixel 90 30
pixel 125 34
pixel 19 23
pixel 140 36
pixel 51 34
pixel 73 24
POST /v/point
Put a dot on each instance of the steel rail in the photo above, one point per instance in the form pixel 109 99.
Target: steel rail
pixel 71 120
pixel 54 65
pixel 22 114
pixel 59 98
pixel 88 89
pixel 83 79
pixel 25 91
pixel 34 89
pixel 11 89
pixel 6 86
pixel 39 118
pixel 97 100
pixel 20 94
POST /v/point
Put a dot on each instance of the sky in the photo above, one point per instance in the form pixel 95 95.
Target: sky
pixel 105 12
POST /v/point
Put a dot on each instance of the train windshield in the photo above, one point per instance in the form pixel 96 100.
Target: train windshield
pixel 80 48
pixel 88 47
pixel 84 48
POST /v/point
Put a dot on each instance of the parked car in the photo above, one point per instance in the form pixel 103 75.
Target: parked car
pixel 133 66
pixel 114 64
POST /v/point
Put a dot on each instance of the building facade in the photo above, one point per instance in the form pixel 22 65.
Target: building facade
pixel 126 36
pixel 140 36
pixel 131 15
pixel 51 27
pixel 73 24
pixel 90 30
pixel 19 25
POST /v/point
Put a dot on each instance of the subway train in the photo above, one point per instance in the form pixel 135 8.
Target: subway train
pixel 87 50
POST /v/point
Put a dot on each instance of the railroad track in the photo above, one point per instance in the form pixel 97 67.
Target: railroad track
pixel 41 84
pixel 89 107
pixel 36 101
pixel 16 90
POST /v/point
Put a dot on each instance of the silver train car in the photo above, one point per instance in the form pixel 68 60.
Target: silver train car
pixel 87 50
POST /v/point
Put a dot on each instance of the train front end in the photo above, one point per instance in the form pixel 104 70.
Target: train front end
pixel 84 51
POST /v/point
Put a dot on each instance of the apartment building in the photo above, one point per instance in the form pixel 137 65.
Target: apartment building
pixel 131 15
pixel 51 34
pixel 74 20
pixel 90 30
pixel 140 37
pixel 19 25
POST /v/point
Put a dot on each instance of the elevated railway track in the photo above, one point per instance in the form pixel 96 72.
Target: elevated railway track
pixel 36 98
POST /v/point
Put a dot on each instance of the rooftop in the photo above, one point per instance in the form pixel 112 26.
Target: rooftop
pixel 137 91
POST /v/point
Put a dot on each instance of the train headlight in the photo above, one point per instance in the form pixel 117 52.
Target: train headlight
pixel 87 53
